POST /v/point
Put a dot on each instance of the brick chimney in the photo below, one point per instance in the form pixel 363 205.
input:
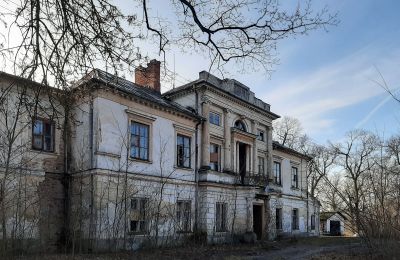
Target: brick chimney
pixel 150 76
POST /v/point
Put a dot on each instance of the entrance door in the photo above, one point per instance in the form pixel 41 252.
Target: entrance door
pixel 257 221
pixel 335 228
pixel 242 161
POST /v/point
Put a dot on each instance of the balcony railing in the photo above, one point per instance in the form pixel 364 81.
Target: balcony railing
pixel 252 180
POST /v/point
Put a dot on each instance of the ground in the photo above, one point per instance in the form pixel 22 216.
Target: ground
pixel 304 248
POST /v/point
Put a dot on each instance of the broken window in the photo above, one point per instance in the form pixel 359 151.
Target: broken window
pixel 138 215
pixel 220 217
pixel 295 177
pixel 260 135
pixel 215 157
pixel 278 218
pixel 139 141
pixel 183 151
pixel 214 118
pixel 240 125
pixel 183 215
pixel 43 135
pixel 295 219
pixel 277 173
pixel 313 222
pixel 261 165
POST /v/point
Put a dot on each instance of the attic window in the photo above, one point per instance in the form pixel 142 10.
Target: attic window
pixel 241 92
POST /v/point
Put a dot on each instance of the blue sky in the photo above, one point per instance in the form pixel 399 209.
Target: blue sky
pixel 326 79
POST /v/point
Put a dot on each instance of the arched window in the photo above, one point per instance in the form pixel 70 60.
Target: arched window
pixel 240 125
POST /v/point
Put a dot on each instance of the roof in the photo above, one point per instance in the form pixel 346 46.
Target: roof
pixel 277 146
pixel 328 214
pixel 131 88
pixel 223 86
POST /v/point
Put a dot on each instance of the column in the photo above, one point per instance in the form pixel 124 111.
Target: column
pixel 227 141
pixel 269 152
pixel 254 162
pixel 205 135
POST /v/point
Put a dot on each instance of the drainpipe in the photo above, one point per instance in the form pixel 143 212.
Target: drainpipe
pixel 308 213
pixel 91 145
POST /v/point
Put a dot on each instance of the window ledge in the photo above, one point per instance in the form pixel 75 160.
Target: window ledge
pixel 183 168
pixel 131 233
pixel 43 152
pixel 294 188
pixel 139 160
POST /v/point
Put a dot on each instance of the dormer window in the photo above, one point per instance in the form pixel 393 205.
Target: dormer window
pixel 240 125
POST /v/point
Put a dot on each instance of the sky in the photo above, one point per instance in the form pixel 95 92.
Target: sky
pixel 328 80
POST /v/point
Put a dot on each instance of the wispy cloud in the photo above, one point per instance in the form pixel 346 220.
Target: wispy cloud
pixel 312 96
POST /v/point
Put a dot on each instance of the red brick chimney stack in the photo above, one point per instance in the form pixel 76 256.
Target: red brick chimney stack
pixel 150 76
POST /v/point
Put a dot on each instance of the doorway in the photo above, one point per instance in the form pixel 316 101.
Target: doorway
pixel 242 161
pixel 257 220
pixel 335 228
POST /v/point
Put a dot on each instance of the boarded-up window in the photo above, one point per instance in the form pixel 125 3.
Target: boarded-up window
pixel 220 217
pixel 215 157
pixel 183 215
pixel 138 215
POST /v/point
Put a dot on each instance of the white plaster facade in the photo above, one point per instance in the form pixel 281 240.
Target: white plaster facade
pixel 116 201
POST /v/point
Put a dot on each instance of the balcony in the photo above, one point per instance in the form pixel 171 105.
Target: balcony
pixel 252 180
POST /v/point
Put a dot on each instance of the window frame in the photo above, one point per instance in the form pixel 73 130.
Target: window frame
pixel 214 115
pixel 179 135
pixel 184 216
pixel 147 143
pixel 277 181
pixel 260 137
pixel 261 159
pixel 221 218
pixel 142 218
pixel 295 219
pixel 312 220
pixel 43 135
pixel 295 177
pixel 219 157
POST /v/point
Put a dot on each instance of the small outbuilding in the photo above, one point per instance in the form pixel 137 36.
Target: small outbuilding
pixel 332 223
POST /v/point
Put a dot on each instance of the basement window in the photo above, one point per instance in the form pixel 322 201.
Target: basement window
pixel 220 217
pixel 43 135
pixel 138 216
pixel 183 215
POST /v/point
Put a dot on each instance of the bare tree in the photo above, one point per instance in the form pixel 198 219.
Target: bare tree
pixel 289 132
pixel 56 41
pixel 355 155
